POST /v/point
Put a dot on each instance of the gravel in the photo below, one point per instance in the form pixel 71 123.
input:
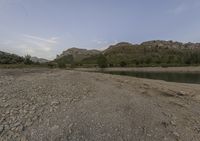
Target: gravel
pixel 51 104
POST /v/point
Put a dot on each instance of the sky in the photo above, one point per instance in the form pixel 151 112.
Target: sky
pixel 45 28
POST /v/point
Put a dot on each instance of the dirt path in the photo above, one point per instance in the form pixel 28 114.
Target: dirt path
pixel 60 105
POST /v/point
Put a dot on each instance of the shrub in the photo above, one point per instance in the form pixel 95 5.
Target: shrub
pixel 27 60
pixel 102 61
pixel 123 64
pixel 61 64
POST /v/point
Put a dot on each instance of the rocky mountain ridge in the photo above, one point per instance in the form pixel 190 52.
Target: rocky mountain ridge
pixel 147 53
pixel 153 43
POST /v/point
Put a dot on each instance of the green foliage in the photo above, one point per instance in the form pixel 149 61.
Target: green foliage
pixel 123 64
pixel 6 58
pixel 61 64
pixel 91 60
pixel 140 55
pixel 102 61
pixel 27 60
pixel 51 65
pixel 65 60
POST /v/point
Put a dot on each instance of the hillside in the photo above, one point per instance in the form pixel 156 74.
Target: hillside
pixel 7 58
pixel 76 55
pixel 154 52
pixel 148 53
pixel 39 60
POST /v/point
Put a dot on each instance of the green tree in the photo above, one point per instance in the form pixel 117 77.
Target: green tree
pixel 102 61
pixel 61 64
pixel 27 60
pixel 123 64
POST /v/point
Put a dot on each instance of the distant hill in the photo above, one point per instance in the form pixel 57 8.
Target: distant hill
pixel 156 52
pixel 76 55
pixel 39 60
pixel 7 58
pixel 150 53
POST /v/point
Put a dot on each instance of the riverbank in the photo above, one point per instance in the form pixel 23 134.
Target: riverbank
pixel 195 69
pixel 53 104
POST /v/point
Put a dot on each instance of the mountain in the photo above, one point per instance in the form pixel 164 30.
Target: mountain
pixel 39 60
pixel 7 58
pixel 77 54
pixel 171 44
pixel 150 53
pixel 155 52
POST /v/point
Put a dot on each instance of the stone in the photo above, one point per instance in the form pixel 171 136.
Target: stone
pixel 181 93
pixel 173 123
pixel 55 103
pixel 55 127
pixel 6 105
pixel 23 138
pixel 16 124
pixel 29 122
pixel 20 128
pixel 1 129
pixel 176 134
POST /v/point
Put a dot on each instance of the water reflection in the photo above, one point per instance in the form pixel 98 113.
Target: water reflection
pixel 167 76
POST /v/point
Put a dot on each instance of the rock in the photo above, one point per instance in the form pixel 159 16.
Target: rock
pixel 20 128
pixel 149 135
pixel 173 123
pixel 16 124
pixel 51 109
pixel 70 125
pixel 6 105
pixel 29 122
pixel 23 138
pixel 181 93
pixel 165 124
pixel 197 129
pixel 55 127
pixel 35 118
pixel 6 127
pixel 1 128
pixel 55 103
pixel 7 112
pixel 176 134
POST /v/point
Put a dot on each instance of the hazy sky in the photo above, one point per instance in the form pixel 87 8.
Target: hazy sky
pixel 45 28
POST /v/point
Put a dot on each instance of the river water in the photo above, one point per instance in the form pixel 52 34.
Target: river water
pixel 167 76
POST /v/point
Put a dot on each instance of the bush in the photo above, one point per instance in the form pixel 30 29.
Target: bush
pixel 61 64
pixel 51 65
pixel 102 61
pixel 27 60
pixel 123 64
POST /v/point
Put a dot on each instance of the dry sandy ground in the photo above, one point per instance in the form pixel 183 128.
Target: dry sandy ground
pixel 63 105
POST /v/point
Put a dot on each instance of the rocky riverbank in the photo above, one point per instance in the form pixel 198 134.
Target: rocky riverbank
pixel 45 104
pixel 195 69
